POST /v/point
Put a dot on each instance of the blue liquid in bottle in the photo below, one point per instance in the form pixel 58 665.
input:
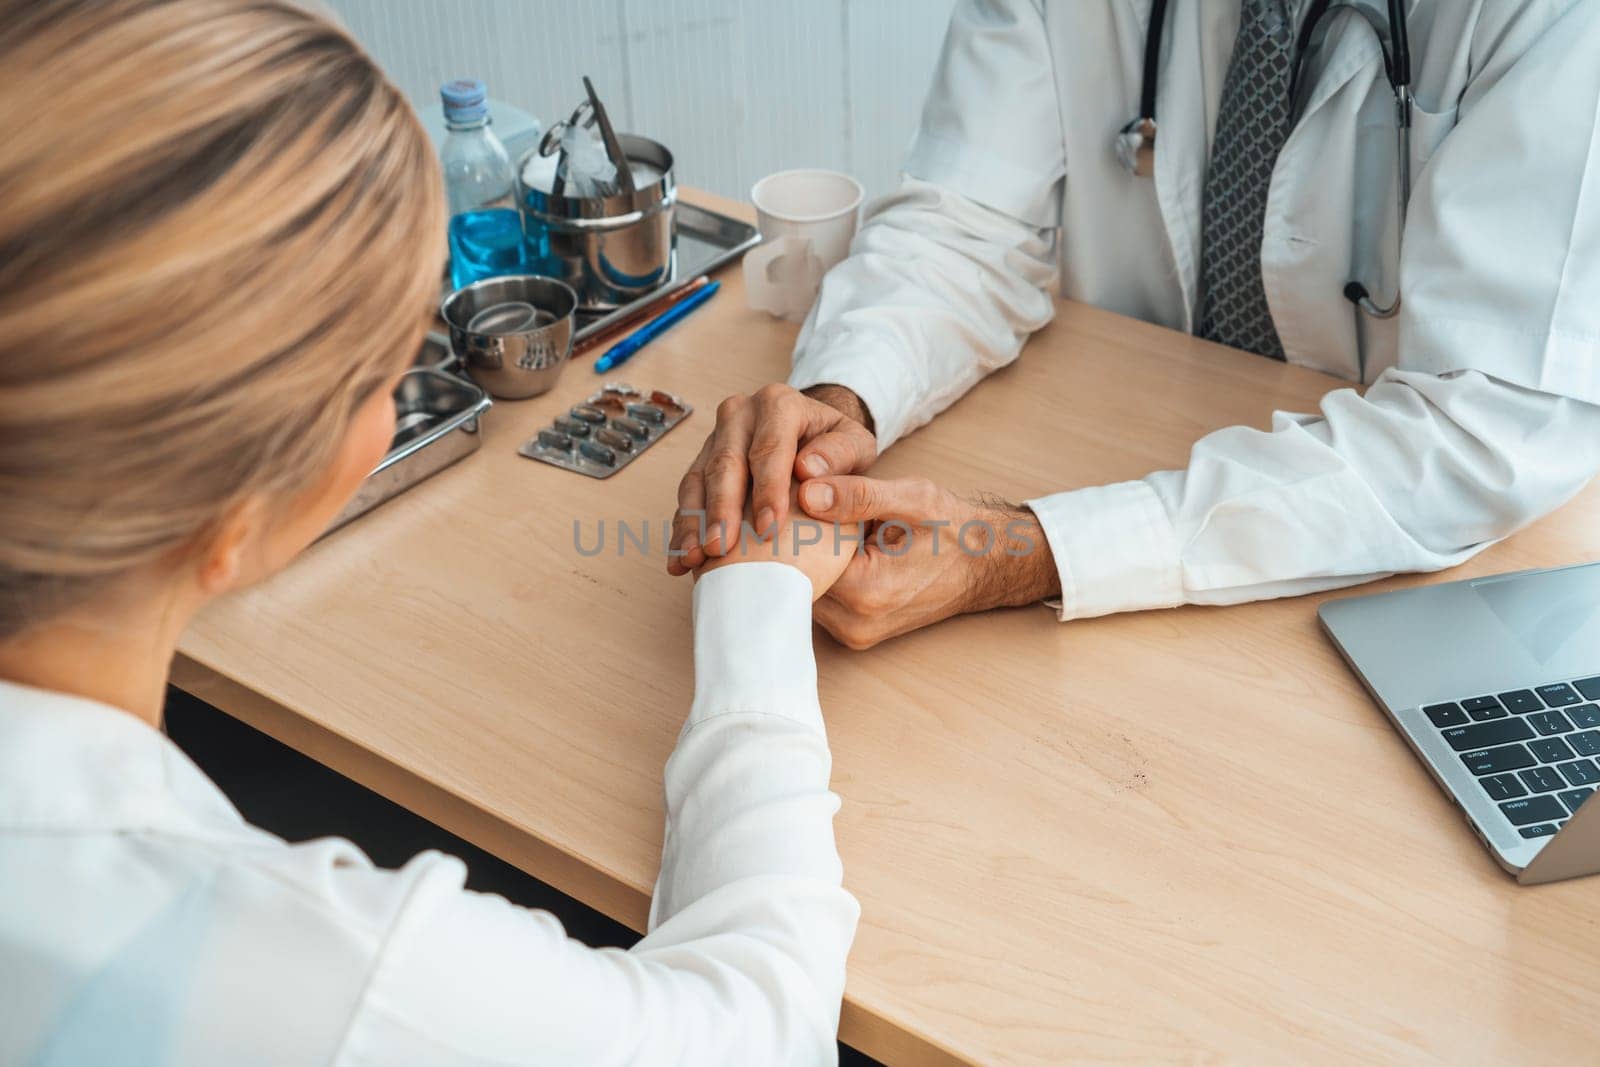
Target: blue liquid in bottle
pixel 484 244
pixel 485 228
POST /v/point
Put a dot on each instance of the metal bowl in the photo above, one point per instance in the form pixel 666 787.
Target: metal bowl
pixel 512 355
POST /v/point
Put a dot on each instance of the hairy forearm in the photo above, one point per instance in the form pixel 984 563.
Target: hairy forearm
pixel 1020 569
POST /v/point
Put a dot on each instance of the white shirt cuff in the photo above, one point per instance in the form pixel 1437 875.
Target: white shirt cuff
pixel 752 643
pixel 864 370
pixel 1114 548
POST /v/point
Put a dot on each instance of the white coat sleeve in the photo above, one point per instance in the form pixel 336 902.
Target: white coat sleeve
pixel 1489 421
pixel 952 272
pixel 750 925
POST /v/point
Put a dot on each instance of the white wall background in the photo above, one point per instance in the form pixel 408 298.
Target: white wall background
pixel 736 88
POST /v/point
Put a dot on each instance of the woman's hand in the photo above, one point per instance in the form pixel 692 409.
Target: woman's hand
pixel 819 550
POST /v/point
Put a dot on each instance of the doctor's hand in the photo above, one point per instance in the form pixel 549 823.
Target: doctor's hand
pixel 929 555
pixel 819 550
pixel 761 444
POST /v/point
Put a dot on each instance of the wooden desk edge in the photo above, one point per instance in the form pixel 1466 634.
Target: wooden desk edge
pixel 599 889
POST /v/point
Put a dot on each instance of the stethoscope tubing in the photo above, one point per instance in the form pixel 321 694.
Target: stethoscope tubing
pixel 1397 68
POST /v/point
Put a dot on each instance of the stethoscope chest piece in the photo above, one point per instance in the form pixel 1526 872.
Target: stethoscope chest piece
pixel 1136 147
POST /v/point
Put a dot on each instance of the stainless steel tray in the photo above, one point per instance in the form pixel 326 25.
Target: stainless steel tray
pixel 436 424
pixel 706 240
pixel 435 353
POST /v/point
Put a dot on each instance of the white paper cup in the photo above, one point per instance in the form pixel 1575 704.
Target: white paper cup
pixel 807 219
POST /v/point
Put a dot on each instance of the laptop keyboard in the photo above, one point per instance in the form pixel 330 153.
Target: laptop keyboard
pixel 1533 750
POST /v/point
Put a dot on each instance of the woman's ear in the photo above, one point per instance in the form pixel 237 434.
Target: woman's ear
pixel 226 556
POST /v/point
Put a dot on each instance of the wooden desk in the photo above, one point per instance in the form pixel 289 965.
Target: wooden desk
pixel 1179 835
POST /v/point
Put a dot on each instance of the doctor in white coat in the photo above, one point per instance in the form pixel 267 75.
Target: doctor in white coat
pixel 1479 414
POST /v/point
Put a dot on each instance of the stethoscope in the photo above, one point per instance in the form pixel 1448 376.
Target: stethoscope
pixel 1136 141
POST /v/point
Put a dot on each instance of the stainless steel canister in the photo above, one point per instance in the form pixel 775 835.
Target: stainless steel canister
pixel 611 250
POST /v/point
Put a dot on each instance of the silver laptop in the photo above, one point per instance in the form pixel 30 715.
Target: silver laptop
pixel 1495 682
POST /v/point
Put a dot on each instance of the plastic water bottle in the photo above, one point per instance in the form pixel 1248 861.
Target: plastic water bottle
pixel 485 228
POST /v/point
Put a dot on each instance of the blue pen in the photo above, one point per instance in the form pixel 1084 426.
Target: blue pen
pixel 623 350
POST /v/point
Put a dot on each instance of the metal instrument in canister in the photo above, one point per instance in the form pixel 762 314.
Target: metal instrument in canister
pixel 611 248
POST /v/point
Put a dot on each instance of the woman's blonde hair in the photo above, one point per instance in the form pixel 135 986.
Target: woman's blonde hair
pixel 220 227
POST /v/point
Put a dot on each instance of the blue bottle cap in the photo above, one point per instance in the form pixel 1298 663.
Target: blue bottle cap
pixel 465 100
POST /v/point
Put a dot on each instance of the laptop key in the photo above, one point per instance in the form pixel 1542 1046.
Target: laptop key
pixel 1585 716
pixel 1586 744
pixel 1485 714
pixel 1550 722
pixel 1558 695
pixel 1442 715
pixel 1543 780
pixel 1484 734
pixel 1551 750
pixel 1502 787
pixel 1498 760
pixel 1481 707
pixel 1544 829
pixel 1521 701
pixel 1589 687
pixel 1533 809
pixel 1573 800
pixel 1581 772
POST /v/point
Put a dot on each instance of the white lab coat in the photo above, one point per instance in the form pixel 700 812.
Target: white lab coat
pixel 144 923
pixel 1481 414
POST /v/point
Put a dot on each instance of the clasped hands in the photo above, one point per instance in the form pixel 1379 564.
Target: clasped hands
pixel 781 477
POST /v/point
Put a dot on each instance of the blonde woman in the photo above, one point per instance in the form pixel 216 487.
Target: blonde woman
pixel 220 235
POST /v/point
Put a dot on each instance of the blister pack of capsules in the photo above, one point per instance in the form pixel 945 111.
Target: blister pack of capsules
pixel 607 431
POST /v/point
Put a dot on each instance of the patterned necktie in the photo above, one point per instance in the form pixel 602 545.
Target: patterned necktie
pixel 1253 122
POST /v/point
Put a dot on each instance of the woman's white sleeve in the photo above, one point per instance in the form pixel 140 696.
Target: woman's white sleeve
pixel 750 925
